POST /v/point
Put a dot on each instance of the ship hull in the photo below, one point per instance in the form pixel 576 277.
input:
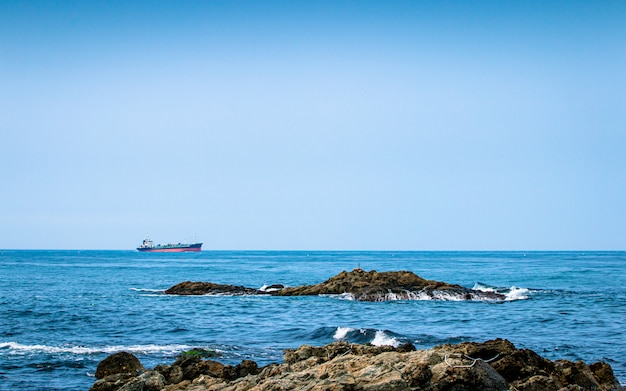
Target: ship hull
pixel 196 247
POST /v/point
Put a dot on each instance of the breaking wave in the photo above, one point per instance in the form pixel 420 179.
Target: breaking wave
pixel 17 348
pixel 511 294
pixel 269 288
pixel 380 337
pixel 147 290
pixel 371 336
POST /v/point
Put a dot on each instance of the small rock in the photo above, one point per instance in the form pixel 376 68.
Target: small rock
pixel 122 362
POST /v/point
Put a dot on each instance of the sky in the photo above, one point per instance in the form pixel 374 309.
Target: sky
pixel 313 125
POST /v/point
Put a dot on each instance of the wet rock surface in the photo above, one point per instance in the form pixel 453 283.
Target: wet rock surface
pixel 208 288
pixel 118 363
pixel 492 365
pixel 359 284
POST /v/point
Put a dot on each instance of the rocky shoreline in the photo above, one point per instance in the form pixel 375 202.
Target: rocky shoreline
pixel 358 284
pixel 341 366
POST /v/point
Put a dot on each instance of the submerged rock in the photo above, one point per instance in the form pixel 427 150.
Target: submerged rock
pixel 358 284
pixel 209 288
pixel 493 365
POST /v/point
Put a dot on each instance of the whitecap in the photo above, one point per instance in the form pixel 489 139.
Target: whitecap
pixel 340 296
pixel 18 348
pixel 266 288
pixel 516 293
pixel 382 339
pixel 479 286
pixel 342 332
pixel 510 294
pixel 147 290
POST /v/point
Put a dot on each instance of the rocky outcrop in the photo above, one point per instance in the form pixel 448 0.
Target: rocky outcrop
pixel 209 288
pixel 400 285
pixel 358 284
pixel 493 365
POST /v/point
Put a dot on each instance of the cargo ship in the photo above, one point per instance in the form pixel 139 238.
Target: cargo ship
pixel 149 247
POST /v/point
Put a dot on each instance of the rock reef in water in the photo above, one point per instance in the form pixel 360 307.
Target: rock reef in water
pixel 194 288
pixel 359 284
pixel 341 366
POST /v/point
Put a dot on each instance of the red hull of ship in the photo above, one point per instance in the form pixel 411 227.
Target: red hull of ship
pixel 170 250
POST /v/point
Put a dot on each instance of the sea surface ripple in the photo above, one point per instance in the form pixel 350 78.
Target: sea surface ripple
pixel 62 312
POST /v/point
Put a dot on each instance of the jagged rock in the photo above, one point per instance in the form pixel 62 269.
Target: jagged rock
pixel 604 375
pixel 192 367
pixel 148 381
pixel 523 364
pixel 361 285
pixel 247 367
pixel 112 382
pixel 340 348
pixel 577 373
pixel 492 365
pixel 173 374
pixel 122 362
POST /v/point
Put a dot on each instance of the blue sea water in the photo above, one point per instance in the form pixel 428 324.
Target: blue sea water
pixel 62 312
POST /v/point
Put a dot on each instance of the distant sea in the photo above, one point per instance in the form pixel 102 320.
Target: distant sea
pixel 62 312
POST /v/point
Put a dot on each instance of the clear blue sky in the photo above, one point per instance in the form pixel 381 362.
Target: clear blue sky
pixel 392 125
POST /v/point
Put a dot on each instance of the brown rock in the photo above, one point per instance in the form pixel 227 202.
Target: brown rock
pixel 523 364
pixel 112 382
pixel 362 285
pixel 247 367
pixel 604 375
pixel 374 286
pixel 172 373
pixel 122 362
pixel 209 288
pixel 577 373
pixel 492 365
pixel 148 381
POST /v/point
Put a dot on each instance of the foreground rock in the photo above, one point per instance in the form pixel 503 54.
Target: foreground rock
pixel 493 365
pixel 359 284
pixel 119 363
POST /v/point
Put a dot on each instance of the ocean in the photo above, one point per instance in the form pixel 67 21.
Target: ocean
pixel 62 312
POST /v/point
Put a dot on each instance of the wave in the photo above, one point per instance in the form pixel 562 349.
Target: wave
pixel 382 339
pixel 371 336
pixel 17 348
pixel 378 337
pixel 422 295
pixel 511 294
pixel 270 288
pixel 342 332
pixel 147 290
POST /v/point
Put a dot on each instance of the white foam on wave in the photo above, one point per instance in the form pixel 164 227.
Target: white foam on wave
pixel 342 332
pixel 18 348
pixel 510 294
pixel 517 294
pixel 265 288
pixel 147 290
pixel 479 286
pixel 341 296
pixel 382 339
